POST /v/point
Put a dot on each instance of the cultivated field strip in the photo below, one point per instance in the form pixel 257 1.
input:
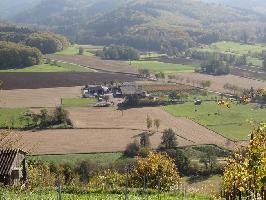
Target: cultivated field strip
pixel 45 97
pixel 83 140
pixel 217 82
pixel 96 63
pixel 36 80
pixel 109 130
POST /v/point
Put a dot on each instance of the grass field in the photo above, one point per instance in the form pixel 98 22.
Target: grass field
pixel 231 123
pixel 105 158
pixel 235 47
pixel 168 68
pixel 151 55
pixel 255 61
pixel 13 118
pixel 78 102
pixel 74 50
pixel 59 67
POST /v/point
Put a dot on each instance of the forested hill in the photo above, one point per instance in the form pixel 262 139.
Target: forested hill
pixel 9 8
pixel 255 5
pixel 60 12
pixel 146 24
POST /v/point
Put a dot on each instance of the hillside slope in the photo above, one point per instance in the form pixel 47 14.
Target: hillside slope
pixel 255 5
pixel 171 25
pixel 9 9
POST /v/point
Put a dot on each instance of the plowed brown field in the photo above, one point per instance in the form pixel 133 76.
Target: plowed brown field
pixel 45 97
pixel 217 82
pixel 107 130
pixel 37 80
pixel 96 63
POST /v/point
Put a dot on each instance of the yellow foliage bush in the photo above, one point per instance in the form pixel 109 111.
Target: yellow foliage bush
pixel 157 171
pixel 39 175
pixel 109 180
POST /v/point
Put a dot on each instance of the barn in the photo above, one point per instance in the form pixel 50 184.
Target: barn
pixel 12 166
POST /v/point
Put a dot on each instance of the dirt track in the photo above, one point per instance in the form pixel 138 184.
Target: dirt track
pixel 106 130
pixel 97 63
pixel 217 82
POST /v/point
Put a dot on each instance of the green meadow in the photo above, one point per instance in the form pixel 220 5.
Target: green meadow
pixel 168 68
pixel 59 67
pixel 230 122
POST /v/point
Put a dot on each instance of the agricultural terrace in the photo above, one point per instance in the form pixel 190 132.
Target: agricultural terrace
pixel 250 50
pixel 96 63
pixel 113 130
pixel 168 68
pixel 235 47
pixel 230 122
pixel 53 67
pixel 44 97
pixel 218 82
pixel 35 80
pixel 89 50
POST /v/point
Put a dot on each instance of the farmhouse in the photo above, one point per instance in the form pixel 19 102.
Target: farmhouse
pixel 12 166
pixel 94 90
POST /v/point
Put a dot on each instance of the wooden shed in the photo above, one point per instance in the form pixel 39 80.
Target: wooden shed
pixel 12 166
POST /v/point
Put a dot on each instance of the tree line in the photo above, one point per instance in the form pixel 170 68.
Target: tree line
pixel 14 55
pixel 116 52
pixel 22 47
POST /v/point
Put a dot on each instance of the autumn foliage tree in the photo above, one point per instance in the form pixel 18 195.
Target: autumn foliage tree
pixel 157 171
pixel 245 172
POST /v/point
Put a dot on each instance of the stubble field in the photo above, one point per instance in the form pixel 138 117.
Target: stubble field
pixel 107 130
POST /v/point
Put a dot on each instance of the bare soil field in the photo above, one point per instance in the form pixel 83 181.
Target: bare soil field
pixel 34 80
pixel 45 97
pixel 96 63
pixel 107 130
pixel 217 82
pixel 248 72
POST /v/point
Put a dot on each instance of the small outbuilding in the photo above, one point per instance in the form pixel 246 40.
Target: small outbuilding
pixel 12 166
pixel 128 89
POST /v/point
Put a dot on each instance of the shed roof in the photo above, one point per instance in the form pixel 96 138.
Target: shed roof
pixel 7 157
pixel 130 90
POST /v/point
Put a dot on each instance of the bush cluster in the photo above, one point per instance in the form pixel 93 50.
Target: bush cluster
pixel 58 119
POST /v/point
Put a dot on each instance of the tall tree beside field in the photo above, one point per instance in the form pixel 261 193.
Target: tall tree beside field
pixel 145 140
pixel 157 123
pixel 169 139
pixel 148 122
